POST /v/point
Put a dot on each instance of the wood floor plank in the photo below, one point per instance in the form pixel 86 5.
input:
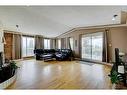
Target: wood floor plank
pixel 34 74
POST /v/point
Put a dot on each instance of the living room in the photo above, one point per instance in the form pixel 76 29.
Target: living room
pixel 63 47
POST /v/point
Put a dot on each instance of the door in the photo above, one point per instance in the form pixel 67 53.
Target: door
pixel 92 46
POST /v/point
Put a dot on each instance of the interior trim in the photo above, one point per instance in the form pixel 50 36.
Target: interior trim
pixel 94 27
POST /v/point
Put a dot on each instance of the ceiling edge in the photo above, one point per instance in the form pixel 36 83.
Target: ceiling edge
pixel 93 27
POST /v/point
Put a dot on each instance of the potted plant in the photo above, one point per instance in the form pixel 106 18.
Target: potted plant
pixel 114 78
pixel 13 67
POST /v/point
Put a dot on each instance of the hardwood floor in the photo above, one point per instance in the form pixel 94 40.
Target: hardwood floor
pixel 34 74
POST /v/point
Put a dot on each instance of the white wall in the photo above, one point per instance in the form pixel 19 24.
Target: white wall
pixel 1 45
pixel 1 35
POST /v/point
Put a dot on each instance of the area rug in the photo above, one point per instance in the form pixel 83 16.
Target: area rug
pixel 86 63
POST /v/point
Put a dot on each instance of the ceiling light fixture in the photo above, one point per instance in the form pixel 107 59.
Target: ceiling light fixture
pixel 17 26
pixel 114 17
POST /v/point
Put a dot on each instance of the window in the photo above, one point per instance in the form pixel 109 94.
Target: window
pixel 28 44
pixel 71 43
pixel 92 46
pixel 59 44
pixel 46 43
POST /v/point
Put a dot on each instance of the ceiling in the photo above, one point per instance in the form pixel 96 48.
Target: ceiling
pixel 51 21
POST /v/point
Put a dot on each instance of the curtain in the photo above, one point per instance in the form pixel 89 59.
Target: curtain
pixel 65 46
pixel 68 43
pixel 56 44
pixel 39 42
pixel 65 43
pixel 53 43
pixel 17 52
pixel 69 47
pixel 62 43
pixel 105 54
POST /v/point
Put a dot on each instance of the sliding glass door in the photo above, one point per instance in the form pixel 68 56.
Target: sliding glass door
pixel 86 46
pixel 92 46
pixel 97 46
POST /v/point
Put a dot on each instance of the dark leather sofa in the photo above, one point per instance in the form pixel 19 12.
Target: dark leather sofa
pixel 58 54
pixel 63 54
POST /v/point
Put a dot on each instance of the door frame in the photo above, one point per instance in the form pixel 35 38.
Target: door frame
pixel 91 46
